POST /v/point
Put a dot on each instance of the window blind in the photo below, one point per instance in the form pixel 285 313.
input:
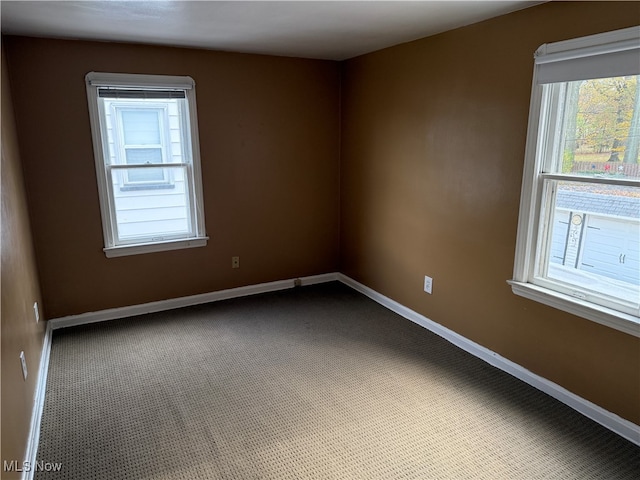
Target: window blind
pixel 565 62
pixel 139 93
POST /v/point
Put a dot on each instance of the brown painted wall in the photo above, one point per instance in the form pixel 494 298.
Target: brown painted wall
pixel 432 149
pixel 20 289
pixel 269 142
pixel 433 145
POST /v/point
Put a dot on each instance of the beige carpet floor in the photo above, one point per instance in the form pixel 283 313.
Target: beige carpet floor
pixel 312 383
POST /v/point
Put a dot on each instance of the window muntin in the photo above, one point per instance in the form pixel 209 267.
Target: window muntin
pixel 140 122
pixel 578 234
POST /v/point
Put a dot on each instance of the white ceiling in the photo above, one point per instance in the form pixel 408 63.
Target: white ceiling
pixel 334 30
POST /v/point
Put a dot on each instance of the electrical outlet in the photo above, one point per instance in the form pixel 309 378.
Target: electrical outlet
pixel 235 262
pixel 428 284
pixel 35 309
pixel 23 362
pixel 297 282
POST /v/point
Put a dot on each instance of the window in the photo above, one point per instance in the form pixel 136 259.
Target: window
pixel 578 246
pixel 145 141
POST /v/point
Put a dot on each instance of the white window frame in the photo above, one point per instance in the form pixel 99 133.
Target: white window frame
pixel 578 54
pixel 113 247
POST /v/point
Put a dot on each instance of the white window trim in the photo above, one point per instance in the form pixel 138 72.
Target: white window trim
pixel 530 199
pixel 100 145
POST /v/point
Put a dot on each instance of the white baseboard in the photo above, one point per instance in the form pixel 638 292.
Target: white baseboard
pixel 159 306
pixel 323 278
pixel 38 405
pixel 613 422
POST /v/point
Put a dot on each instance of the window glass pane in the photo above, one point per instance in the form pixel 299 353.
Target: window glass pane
pixel 601 128
pixel 141 127
pixel 137 156
pixel 151 214
pixel 594 238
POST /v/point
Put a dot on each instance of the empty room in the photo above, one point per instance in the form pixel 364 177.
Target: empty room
pixel 320 240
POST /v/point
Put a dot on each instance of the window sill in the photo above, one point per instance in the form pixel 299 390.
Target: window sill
pixel 605 316
pixel 140 248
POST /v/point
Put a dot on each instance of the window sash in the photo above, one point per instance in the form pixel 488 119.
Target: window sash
pixel 540 260
pixel 192 227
